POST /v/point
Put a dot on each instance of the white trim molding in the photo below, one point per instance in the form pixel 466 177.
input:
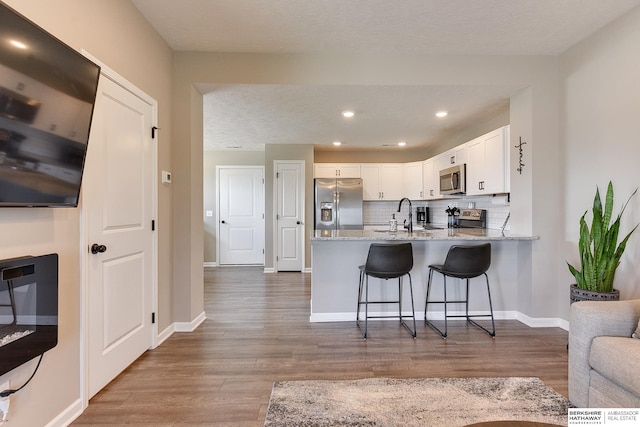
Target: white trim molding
pixel 190 326
pixel 439 315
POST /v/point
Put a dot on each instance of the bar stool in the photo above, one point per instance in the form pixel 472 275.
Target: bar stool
pixel 386 261
pixel 463 262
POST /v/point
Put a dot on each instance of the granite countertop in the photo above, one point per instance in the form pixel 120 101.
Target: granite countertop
pixel 381 233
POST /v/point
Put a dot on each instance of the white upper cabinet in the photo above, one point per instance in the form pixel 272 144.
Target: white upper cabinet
pixel 452 157
pixel 413 181
pixel 487 163
pixel 382 181
pixel 336 170
pixel 430 181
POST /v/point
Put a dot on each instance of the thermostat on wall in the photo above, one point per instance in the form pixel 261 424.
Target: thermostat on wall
pixel 166 177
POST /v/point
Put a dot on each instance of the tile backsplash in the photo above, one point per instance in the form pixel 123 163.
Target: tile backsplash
pixel 497 207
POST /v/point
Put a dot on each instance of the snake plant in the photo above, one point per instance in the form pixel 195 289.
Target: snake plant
pixel 600 252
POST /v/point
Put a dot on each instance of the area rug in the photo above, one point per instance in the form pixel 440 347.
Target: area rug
pixel 432 402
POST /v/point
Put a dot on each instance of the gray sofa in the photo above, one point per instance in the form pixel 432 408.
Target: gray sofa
pixel 604 361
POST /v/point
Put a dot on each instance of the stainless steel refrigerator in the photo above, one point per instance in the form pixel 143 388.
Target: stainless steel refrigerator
pixel 338 204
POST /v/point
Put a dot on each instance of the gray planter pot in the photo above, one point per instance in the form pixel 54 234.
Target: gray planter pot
pixel 578 294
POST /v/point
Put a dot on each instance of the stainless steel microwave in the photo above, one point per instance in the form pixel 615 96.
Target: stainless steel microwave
pixel 452 180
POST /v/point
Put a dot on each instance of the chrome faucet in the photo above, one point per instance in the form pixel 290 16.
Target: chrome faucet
pixel 410 227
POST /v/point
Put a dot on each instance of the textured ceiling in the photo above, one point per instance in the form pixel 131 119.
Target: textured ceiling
pixel 250 116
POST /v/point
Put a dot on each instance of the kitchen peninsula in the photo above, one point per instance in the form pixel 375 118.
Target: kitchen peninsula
pixel 336 255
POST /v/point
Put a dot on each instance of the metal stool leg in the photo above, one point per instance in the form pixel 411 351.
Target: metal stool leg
pixel 491 333
pixel 413 309
pixel 444 302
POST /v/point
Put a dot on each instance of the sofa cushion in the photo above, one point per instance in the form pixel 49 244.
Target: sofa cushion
pixel 636 333
pixel 617 358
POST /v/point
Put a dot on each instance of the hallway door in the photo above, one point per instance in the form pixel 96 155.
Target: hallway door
pixel 241 215
pixel 289 232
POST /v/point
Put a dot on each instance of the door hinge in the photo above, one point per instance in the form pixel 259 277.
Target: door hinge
pixel 153 318
pixel 263 180
pixel 153 131
pixel 153 225
pixel 277 175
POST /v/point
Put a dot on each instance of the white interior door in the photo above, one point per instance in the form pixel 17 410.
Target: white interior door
pixel 241 215
pixel 117 199
pixel 289 215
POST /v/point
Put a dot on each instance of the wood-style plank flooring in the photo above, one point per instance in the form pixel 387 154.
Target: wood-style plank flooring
pixel 257 331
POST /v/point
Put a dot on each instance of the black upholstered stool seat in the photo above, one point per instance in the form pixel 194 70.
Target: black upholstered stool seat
pixel 462 262
pixel 386 261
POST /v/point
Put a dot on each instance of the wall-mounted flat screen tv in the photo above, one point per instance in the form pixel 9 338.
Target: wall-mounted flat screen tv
pixel 47 94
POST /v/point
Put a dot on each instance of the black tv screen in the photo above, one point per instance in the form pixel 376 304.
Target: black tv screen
pixel 47 94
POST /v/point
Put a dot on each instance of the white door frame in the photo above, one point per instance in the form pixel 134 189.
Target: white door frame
pixel 106 72
pixel 275 213
pixel 218 203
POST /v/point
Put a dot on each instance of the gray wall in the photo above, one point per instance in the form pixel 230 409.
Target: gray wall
pixel 600 83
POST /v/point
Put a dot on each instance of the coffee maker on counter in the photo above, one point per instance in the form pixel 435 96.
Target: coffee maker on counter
pixel 422 215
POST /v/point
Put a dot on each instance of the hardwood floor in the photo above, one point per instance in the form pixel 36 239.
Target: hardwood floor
pixel 257 331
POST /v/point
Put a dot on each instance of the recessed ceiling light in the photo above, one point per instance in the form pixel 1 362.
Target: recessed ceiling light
pixel 402 144
pixel 441 114
pixel 337 143
pixel 18 44
pixel 348 114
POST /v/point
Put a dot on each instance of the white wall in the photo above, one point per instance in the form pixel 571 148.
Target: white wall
pixel 601 133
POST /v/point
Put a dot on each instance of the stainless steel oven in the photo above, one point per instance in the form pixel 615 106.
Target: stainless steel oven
pixel 452 180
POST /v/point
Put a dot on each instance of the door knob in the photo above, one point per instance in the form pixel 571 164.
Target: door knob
pixel 298 222
pixel 96 248
pixel 223 221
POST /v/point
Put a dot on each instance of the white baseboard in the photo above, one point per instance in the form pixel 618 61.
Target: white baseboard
pixel 439 315
pixel 162 336
pixel 273 270
pixel 543 322
pixel 210 264
pixel 190 326
pixel 68 415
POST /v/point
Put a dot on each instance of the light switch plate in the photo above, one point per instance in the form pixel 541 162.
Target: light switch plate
pixel 166 177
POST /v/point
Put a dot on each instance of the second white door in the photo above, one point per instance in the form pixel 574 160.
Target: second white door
pixel 289 231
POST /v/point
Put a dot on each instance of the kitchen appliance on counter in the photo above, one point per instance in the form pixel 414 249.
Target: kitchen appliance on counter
pixel 453 180
pixel 422 215
pixel 338 204
pixel 471 218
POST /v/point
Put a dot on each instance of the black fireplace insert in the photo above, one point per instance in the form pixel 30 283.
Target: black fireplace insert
pixel 28 309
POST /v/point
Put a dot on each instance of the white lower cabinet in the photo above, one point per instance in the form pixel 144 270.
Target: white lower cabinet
pixel 487 163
